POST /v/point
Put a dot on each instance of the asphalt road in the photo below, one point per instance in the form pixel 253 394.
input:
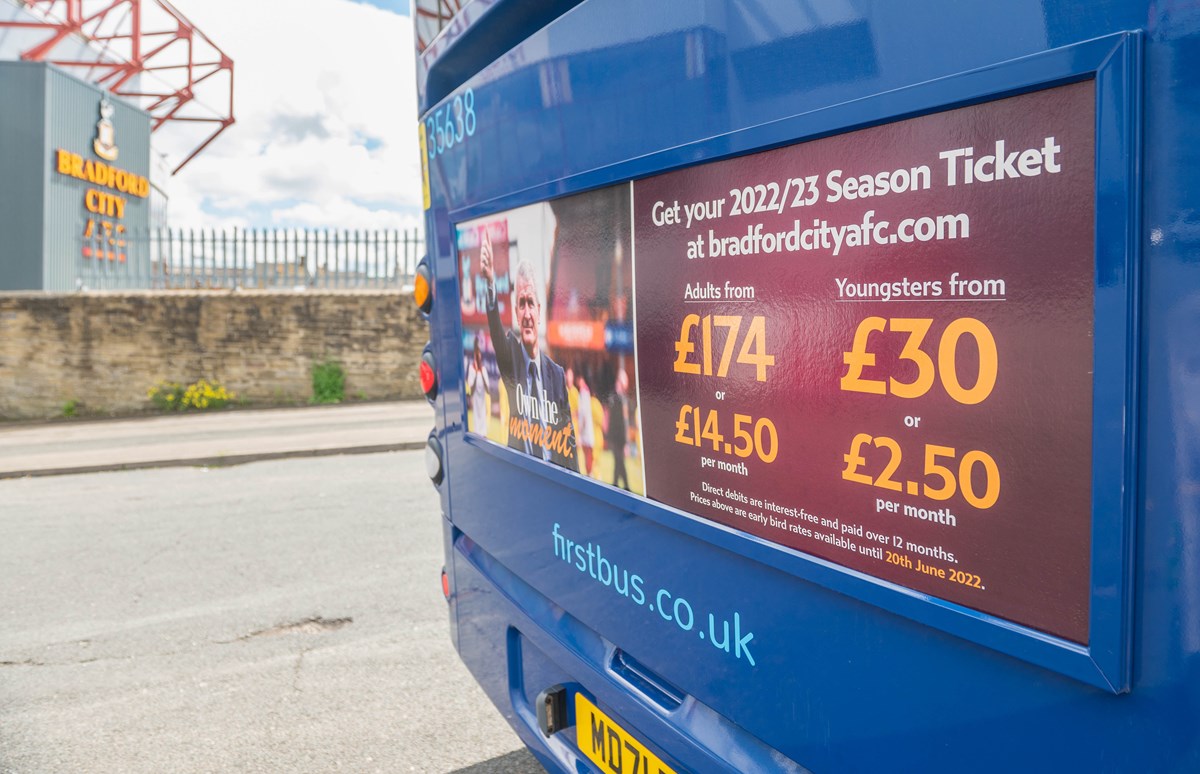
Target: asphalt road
pixel 280 616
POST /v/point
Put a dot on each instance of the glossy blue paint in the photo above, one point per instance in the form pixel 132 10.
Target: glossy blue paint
pixel 850 673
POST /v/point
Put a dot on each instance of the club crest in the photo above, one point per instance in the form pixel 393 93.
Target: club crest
pixel 105 144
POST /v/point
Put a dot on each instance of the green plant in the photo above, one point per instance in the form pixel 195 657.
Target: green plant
pixel 328 382
pixel 166 396
pixel 198 396
pixel 70 409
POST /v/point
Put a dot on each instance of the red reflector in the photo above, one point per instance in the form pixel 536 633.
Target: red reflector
pixel 428 377
pixel 445 585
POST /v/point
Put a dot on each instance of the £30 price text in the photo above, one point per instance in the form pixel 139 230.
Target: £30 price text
pixel 750 436
pixel 946 370
pixel 753 351
pixel 980 491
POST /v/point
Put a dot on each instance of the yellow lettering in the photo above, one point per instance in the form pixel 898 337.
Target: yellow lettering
pixel 99 173
pixel 102 203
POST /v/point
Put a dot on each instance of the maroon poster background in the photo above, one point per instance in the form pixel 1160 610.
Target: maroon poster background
pixel 1028 230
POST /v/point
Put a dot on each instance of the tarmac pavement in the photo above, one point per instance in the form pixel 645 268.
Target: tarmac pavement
pixel 219 438
pixel 281 616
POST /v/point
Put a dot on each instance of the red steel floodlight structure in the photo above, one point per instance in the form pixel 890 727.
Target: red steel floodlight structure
pixel 144 50
pixel 431 16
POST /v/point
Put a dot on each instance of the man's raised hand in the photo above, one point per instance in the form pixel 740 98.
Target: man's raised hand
pixel 485 259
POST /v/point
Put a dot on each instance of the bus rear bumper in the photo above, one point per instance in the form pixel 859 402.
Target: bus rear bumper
pixel 518 643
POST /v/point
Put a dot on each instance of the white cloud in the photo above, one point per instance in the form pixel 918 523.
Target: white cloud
pixel 343 213
pixel 326 119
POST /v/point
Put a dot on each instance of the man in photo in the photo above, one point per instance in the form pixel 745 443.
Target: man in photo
pixel 540 412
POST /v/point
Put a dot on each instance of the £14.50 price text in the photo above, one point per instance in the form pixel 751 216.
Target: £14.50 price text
pixel 758 437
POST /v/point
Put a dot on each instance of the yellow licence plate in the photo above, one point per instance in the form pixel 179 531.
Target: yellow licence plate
pixel 611 747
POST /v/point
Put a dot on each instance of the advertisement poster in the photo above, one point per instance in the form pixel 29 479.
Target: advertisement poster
pixel 874 347
pixel 548 345
pixel 877 348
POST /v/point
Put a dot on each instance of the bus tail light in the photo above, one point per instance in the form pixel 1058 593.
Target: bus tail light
pixel 429 380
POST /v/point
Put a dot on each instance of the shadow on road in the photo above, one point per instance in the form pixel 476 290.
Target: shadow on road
pixel 515 762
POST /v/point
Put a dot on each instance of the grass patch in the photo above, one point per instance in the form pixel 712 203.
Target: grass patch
pixel 328 382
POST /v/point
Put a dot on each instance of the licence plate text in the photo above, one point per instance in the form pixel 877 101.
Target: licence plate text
pixel 611 747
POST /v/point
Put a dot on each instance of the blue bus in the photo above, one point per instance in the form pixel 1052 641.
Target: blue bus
pixel 816 383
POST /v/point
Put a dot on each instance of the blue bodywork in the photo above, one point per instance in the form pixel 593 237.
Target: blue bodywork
pixel 847 673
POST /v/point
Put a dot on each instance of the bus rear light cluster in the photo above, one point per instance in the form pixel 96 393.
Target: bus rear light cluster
pixel 423 298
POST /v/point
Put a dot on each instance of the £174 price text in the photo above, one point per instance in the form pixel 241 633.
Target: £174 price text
pixel 753 350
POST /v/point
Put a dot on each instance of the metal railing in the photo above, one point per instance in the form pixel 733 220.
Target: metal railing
pixel 285 259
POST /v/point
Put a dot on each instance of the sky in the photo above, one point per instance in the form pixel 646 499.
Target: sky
pixel 325 102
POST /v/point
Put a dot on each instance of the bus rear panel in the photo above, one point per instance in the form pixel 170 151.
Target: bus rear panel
pixel 814 384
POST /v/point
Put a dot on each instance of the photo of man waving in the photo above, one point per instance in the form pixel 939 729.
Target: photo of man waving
pixel 540 422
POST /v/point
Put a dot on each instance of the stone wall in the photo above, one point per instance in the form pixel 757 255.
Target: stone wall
pixel 105 350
